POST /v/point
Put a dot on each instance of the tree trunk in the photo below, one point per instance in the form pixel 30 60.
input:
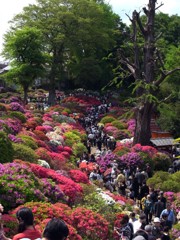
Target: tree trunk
pixel 143 125
pixel 25 89
pixel 144 112
pixel 52 95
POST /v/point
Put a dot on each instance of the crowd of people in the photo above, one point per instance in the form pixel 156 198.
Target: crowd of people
pixel 156 216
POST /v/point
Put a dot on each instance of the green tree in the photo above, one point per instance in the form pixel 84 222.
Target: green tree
pixel 23 48
pixel 72 30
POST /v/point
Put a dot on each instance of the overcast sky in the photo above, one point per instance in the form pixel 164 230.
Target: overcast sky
pixel 10 8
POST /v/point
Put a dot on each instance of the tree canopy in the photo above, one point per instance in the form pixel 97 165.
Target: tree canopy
pixel 72 31
pixel 24 50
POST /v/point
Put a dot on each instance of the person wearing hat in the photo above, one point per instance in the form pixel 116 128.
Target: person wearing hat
pixel 156 228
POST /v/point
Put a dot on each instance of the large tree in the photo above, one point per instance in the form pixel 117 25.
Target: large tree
pixel 147 68
pixel 72 30
pixel 23 48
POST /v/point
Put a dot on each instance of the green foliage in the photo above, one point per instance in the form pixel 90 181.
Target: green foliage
pixel 161 161
pixel 165 181
pixel 93 201
pixel 18 115
pixel 118 124
pixel 28 141
pixel 71 138
pixel 24 49
pixel 107 119
pixel 24 152
pixel 6 148
pixel 78 149
pixel 147 159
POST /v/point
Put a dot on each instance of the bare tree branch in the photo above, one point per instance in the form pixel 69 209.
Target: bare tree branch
pixel 164 75
pixel 140 23
pixel 165 99
pixel 160 59
pixel 129 17
pixel 158 36
pixel 146 11
pixel 159 6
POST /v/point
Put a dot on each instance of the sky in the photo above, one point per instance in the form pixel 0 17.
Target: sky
pixel 9 8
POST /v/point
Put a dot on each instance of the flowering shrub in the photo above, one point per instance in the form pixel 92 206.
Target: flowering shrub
pixel 132 159
pixel 175 231
pixel 87 167
pixel 10 225
pixel 151 151
pixel 120 150
pixel 131 125
pixel 104 161
pixel 68 186
pixel 44 128
pixel 18 115
pixel 44 154
pixel 12 126
pixel 15 139
pixel 15 106
pixel 89 224
pixel 40 135
pixel 42 211
pixel 30 124
pixel 78 176
pixel 18 185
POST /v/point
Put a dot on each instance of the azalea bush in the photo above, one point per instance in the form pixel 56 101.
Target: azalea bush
pixel 119 124
pixel 71 189
pixel 18 185
pixel 78 176
pixel 90 225
pixel 15 106
pixel 165 181
pixel 161 161
pixel 131 159
pixel 107 119
pixel 18 115
pixel 10 225
pixel 24 152
pixel 71 138
pixel 42 211
pixel 78 149
pixel 105 161
pixel 6 148
pixel 28 141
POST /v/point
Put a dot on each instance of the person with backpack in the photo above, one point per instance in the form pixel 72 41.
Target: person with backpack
pixel 148 209
pixel 170 213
